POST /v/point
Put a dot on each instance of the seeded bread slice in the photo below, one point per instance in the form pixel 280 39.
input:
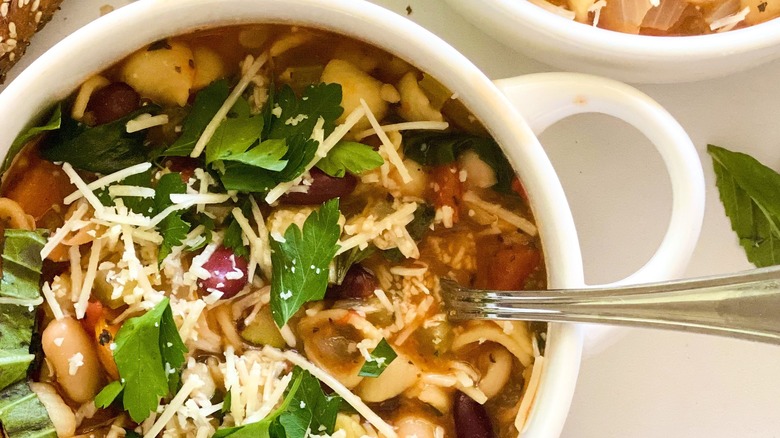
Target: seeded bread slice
pixel 19 20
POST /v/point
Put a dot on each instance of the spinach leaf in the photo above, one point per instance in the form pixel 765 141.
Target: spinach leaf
pixel 22 264
pixel 22 415
pixel 103 149
pixel 53 124
pixel 749 193
pixel 144 345
pixel 350 156
pixel 300 262
pixel 381 356
pixel 16 330
pixel 434 148
pixel 207 103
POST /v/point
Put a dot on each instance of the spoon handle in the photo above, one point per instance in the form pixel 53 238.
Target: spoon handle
pixel 745 305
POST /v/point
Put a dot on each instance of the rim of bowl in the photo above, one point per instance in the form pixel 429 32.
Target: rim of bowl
pixel 756 37
pixel 23 100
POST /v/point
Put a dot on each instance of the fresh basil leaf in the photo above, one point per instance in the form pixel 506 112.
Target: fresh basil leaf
pixel 300 262
pixel 297 116
pixel 22 264
pixel 749 193
pixel 310 410
pixel 140 355
pixel 434 148
pixel 53 124
pixel 245 178
pixel 207 103
pixel 103 149
pixel 266 155
pixel 235 134
pixel 23 415
pixel 108 394
pixel 381 356
pixel 350 156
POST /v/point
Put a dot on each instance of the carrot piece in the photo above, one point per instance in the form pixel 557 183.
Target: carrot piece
pixel 447 189
pixel 40 187
pixel 504 267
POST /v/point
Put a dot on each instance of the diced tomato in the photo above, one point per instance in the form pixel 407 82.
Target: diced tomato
pixel 447 188
pixel 503 266
pixel 92 316
pixel 518 188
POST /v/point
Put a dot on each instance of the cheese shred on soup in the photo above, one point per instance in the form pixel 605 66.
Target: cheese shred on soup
pixel 241 231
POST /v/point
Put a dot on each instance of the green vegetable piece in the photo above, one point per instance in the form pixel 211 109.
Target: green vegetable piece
pixel 266 155
pixel 346 259
pixel 108 394
pixel 144 345
pixel 300 263
pixel 310 411
pixel 16 329
pixel 298 116
pixel 382 356
pixel 300 153
pixel 235 134
pixel 434 148
pixel 22 265
pixel 22 414
pixel 53 124
pixel 350 156
pixel 749 193
pixel 173 228
pixel 263 330
pixel 245 178
pixel 207 103
pixel 103 149
pixel 234 239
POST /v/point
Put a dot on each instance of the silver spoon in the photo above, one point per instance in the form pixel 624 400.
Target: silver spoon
pixel 744 305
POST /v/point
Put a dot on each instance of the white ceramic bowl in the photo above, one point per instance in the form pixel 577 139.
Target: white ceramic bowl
pixel 546 98
pixel 633 58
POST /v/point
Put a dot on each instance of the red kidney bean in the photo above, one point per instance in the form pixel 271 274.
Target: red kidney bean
pixel 228 273
pixel 113 102
pixel 359 282
pixel 184 165
pixel 323 187
pixel 471 418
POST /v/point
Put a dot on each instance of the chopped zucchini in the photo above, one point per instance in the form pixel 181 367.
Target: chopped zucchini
pixel 263 330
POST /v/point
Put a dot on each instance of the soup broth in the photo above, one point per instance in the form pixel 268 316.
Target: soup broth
pixel 242 231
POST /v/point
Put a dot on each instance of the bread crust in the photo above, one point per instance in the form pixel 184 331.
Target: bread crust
pixel 19 21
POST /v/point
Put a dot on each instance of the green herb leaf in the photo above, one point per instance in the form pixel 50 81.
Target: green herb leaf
pixel 53 124
pixel 266 155
pixel 103 149
pixel 748 191
pixel 207 103
pixel 350 156
pixel 423 218
pixel 297 116
pixel 234 239
pixel 245 178
pixel 235 134
pixel 173 228
pixel 141 354
pixel 16 331
pixel 310 410
pixel 22 415
pixel 300 263
pixel 300 153
pixel 382 356
pixel 346 259
pixel 434 148
pixel 108 394
pixel 22 264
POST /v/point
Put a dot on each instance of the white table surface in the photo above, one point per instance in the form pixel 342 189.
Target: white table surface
pixel 647 383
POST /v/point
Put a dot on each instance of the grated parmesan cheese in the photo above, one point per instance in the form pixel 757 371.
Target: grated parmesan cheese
pixel 145 121
pixel 405 126
pixel 387 145
pixel 108 179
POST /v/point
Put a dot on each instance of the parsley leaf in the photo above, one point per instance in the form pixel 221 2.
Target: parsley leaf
pixel 234 239
pixel 108 394
pixel 245 178
pixel 748 191
pixel 173 228
pixel 300 262
pixel 310 409
pixel 300 153
pixel 235 134
pixel 207 103
pixel 298 116
pixel 350 156
pixel 346 259
pixel 433 148
pixel 266 155
pixel 103 149
pixel 382 356
pixel 141 355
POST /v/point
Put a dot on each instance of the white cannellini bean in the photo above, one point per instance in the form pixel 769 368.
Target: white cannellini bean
pixel 80 377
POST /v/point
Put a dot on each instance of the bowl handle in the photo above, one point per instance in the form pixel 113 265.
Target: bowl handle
pixel 546 98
